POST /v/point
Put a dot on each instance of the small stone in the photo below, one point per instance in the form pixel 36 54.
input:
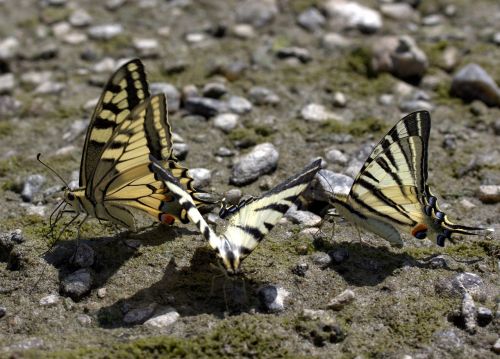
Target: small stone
pixel 114 4
pixel 484 316
pixel 75 38
pixel 80 18
pixel 233 196
pixel 263 96
pixel 449 341
pixel 272 298
pixel 3 311
pixel 311 19
pixel 214 90
pixel 415 105
pixel 77 284
pixel 226 121
pixel 432 20
pixel 171 93
pixel 32 186
pixel 146 47
pixel 304 218
pixel 339 99
pixel 36 210
pixel 206 107
pixel 341 300
pixel 243 31
pixel 437 262
pixel 105 32
pixel 398 11
pixel 101 292
pixel 190 91
pixel 107 64
pixel 224 152
pixel 84 256
pixel 201 176
pixel 139 315
pixel 9 106
pixel 332 42
pixel 460 283
pixel 496 346
pixel 489 193
pixel 300 269
pixel 332 155
pixel 496 38
pixel 256 12
pixel 195 37
pixel 7 83
pixel 299 53
pixel 163 318
pixel 50 88
pixel 262 159
pixel 60 29
pixel 50 300
pixel 9 48
pixel 339 255
pixel 469 313
pixel 321 259
pixel 354 15
pixel 180 150
pixel 239 105
pixel 473 83
pixel 326 183
pixel 84 320
pixel 317 113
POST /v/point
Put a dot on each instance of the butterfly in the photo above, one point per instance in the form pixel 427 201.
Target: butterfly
pixel 127 126
pixel 249 221
pixel 390 194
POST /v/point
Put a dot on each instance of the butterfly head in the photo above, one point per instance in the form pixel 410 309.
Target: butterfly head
pixel 71 197
pixel 231 257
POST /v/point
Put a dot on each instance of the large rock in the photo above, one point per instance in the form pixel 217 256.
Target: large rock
pixel 256 12
pixel 261 160
pixel 400 56
pixel 472 82
pixel 353 15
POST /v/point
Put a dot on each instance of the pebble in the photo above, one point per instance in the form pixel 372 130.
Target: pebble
pixel 256 12
pixel 172 95
pixel 496 38
pixel 77 284
pixel 339 99
pixel 472 82
pixel 243 31
pixel 327 182
pixel 75 38
pixel 399 11
pixel 206 107
pixel 304 218
pixel 354 15
pixel 437 262
pixel 341 300
pixel 449 341
pixel 61 28
pixel 415 105
pixel 84 320
pixel 114 4
pixel 332 155
pixel 262 159
pixel 84 256
pixel 50 88
pixel 32 186
pixel 400 56
pixel 214 90
pixel 3 311
pixel 311 19
pixel 457 285
pixel 263 96
pixel 101 292
pixel 7 83
pixel 496 346
pixel 321 259
pixel 432 20
pixel 272 298
pixel 139 315
pixel 36 210
pixel 339 255
pixel 80 18
pixel 239 105
pixel 469 313
pixel 233 196
pixel 300 269
pixel 317 113
pixel 50 300
pixel 163 318
pixel 105 32
pixel 299 53
pixel 195 37
pixel 224 152
pixel 201 177
pixel 147 47
pixel 9 48
pixel 484 316
pixel 9 106
pixel 226 121
pixel 489 193
pixel 333 41
pixel 180 150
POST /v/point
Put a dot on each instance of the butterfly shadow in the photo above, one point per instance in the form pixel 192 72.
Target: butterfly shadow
pixel 199 288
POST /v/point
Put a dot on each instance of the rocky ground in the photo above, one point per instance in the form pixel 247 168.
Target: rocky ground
pixel 256 90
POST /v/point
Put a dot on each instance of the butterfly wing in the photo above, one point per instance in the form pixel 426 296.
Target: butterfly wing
pixel 126 88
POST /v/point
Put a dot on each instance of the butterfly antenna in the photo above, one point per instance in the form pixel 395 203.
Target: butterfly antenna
pixel 51 169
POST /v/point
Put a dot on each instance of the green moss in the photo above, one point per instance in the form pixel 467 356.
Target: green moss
pixel 116 44
pixel 6 128
pixel 250 136
pixel 298 6
pixel 9 165
pixel 359 60
pixel 357 127
pixel 51 15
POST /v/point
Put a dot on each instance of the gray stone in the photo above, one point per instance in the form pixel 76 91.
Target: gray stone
pixel 114 4
pixel 432 20
pixel 448 340
pixel 321 259
pixel 190 91
pixel 101 292
pixel 339 99
pixel 299 53
pixel 107 64
pixel 272 298
pixel 243 31
pixel 262 159
pixel 172 95
pixel 326 183
pixel 353 15
pixel 206 107
pixel 239 105
pixel 339 255
pixel 9 106
pixel 484 316
pixel 226 121
pixel 105 32
pixel 50 300
pixel 460 283
pixel 3 311
pixel 7 83
pixel 399 11
pixel 80 18
pixel 8 240
pixel 304 218
pixel 256 12
pixel 300 269
pixel 163 318
pixel 50 88
pixel 469 313
pixel 341 300
pixel 415 105
pixel 84 320
pixel 233 196
pixel 263 96
pixel 473 83
pixel 75 38
pixel 180 150
pixel 214 90
pixel 496 38
pixel 32 186
pixel 332 155
pixel 77 284
pixel 400 56
pixel 195 37
pixel 311 19
pixel 83 256
pixel 9 48
pixel 139 315
pixel 147 47
pixel 201 177
pixel 318 113
pixel 333 42
pixel 489 193
pixel 224 152
pixel 496 346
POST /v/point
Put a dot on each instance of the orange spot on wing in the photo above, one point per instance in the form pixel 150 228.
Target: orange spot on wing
pixel 167 218
pixel 418 228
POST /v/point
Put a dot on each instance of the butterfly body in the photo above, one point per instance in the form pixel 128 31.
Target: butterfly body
pixel 390 195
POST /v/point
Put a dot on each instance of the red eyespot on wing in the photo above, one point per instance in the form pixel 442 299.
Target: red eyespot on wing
pixel 419 231
pixel 167 218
